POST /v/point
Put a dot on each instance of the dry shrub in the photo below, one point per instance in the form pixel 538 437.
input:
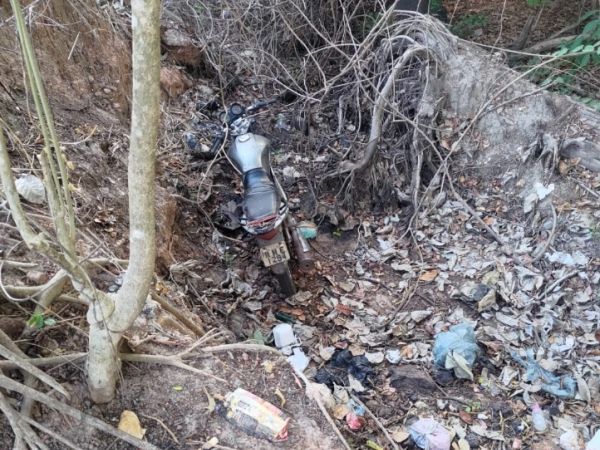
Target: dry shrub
pixel 336 56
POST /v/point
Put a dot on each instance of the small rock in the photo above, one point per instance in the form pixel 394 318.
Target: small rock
pixel 37 277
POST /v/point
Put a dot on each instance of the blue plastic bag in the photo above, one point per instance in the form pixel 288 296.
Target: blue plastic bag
pixel 456 349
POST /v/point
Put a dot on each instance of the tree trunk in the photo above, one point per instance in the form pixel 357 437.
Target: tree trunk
pixel 106 328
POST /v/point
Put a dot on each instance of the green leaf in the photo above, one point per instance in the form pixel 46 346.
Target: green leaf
pixel 577 49
pixel 36 320
pixel 258 337
pixel 590 27
pixel 178 388
pixel 588 48
pixel 49 321
pixel 561 52
pixel 589 14
pixel 585 60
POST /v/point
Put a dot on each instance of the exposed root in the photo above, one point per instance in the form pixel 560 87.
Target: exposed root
pixel 14 386
pixel 24 435
pixel 198 330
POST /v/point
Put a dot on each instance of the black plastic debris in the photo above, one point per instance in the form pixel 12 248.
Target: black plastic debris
pixel 342 364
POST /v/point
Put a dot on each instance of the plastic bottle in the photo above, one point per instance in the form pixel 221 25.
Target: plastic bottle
pixel 538 419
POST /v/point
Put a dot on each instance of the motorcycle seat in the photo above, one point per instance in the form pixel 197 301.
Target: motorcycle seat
pixel 261 199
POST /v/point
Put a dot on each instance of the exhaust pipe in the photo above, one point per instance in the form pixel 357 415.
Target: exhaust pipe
pixel 304 254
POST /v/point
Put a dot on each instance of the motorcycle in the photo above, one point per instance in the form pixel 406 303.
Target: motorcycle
pixel 265 210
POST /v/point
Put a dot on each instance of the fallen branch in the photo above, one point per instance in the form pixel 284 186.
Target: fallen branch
pixel 377 421
pixel 24 365
pixel 47 361
pixel 14 386
pixel 49 432
pixel 554 285
pixel 548 44
pixel 18 264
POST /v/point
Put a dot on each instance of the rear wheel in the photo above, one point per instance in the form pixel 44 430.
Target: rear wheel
pixel 284 278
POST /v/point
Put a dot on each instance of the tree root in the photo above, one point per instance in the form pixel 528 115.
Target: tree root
pixel 14 386
pixel 176 360
pixel 24 435
pixel 377 115
pixel 198 330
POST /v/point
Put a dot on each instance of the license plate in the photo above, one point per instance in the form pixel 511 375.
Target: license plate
pixel 274 254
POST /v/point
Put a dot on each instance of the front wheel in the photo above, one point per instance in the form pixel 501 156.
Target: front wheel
pixel 284 278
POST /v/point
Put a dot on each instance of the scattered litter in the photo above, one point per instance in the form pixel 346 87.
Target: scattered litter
pixel 254 415
pixel 308 230
pixel 537 418
pixel 341 365
pixel 594 444
pixel 31 188
pixel 482 430
pixel 393 355
pixel 457 349
pixel 355 422
pixel 430 435
pixel 375 357
pixel 576 259
pixel 320 394
pixel 130 424
pixel 374 445
pixel 563 387
pixel 287 343
pixel 569 440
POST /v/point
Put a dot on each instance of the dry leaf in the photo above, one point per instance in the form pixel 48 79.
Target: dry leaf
pixel 400 435
pixel 343 309
pixel 430 275
pixel 340 411
pixel 130 424
pixel 466 417
pixel 211 401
